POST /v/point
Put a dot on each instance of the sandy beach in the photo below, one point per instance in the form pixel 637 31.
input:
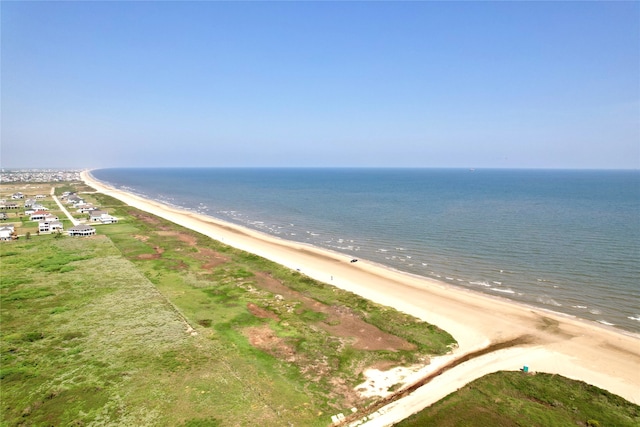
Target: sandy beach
pixel 602 356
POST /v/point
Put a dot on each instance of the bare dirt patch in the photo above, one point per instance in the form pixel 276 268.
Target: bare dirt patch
pixel 149 219
pixel 210 259
pixel 340 321
pixel 367 336
pixel 157 255
pixel 261 312
pixel 190 240
pixel 265 339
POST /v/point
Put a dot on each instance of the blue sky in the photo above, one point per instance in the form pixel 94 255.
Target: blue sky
pixel 397 84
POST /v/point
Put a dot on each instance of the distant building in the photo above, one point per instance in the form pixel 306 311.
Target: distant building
pixel 81 230
pixel 75 200
pixel 6 232
pixel 94 215
pixel 108 219
pixel 86 208
pixel 49 226
pixel 9 206
pixel 38 215
pixel 102 217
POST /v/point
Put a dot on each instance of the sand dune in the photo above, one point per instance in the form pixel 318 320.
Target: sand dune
pixel 578 349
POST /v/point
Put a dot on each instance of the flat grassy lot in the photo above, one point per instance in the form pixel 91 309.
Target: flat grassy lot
pixel 507 399
pixel 148 323
pixel 87 339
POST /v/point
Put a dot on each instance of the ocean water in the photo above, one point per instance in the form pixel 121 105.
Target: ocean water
pixel 567 241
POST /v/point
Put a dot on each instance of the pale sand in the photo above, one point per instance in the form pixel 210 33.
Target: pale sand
pixel 599 355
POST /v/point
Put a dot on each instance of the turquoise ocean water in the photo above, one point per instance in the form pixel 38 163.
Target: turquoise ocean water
pixel 567 241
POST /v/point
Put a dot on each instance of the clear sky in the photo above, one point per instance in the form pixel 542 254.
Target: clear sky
pixel 398 84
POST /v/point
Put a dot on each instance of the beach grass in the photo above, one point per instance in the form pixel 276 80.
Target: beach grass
pixel 507 399
pixel 97 343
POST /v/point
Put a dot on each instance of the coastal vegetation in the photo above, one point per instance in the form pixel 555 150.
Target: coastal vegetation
pixel 507 399
pixel 149 323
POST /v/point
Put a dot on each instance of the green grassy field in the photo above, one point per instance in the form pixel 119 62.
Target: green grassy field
pixel 507 399
pixel 149 323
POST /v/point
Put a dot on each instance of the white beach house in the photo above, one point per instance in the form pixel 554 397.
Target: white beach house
pixel 81 230
pixel 6 232
pixel 49 226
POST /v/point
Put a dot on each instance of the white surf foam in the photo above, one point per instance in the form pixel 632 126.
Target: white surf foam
pixel 504 291
pixel 604 322
pixel 485 284
pixel 547 300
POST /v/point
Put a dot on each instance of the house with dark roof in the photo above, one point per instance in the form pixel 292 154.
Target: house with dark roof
pixel 75 199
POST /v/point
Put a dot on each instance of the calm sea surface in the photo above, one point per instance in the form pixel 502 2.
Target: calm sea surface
pixel 567 241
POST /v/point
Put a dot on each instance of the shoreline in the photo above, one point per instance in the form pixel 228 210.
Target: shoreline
pixel 539 260
pixel 575 348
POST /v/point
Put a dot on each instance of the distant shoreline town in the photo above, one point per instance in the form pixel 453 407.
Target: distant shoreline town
pixel 39 175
